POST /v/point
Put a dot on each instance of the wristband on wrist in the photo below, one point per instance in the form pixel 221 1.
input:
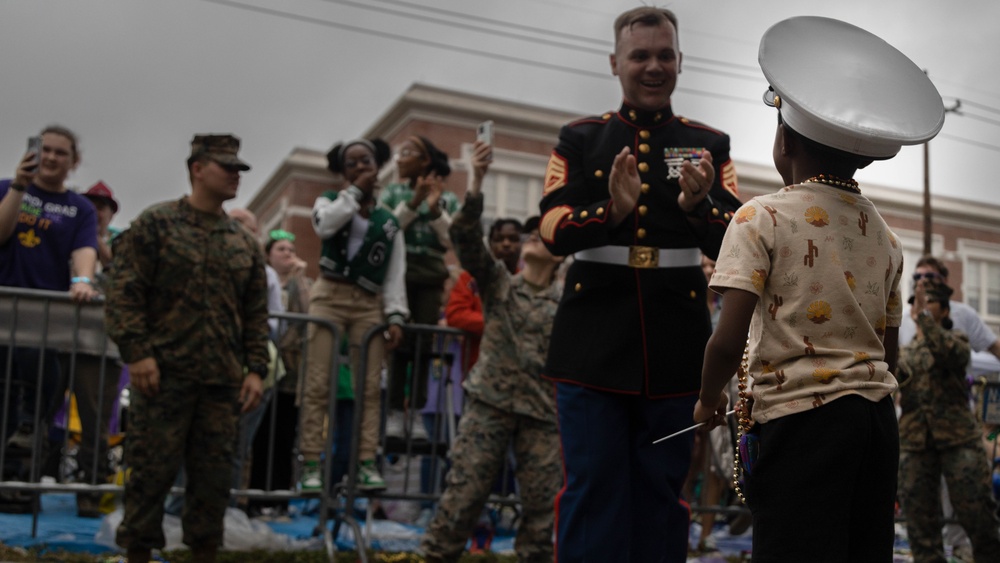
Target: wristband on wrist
pixel 18 187
pixel 80 279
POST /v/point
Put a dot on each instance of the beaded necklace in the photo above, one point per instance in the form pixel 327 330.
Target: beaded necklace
pixel 834 181
pixel 743 419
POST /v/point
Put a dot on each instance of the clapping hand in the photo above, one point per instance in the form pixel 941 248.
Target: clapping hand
pixel 695 181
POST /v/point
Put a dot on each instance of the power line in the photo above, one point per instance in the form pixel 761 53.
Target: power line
pixel 530 62
pixel 466 27
pixel 602 47
pixel 483 19
pixel 960 102
pixel 967 87
pixel 463 50
pixel 980 118
pixel 980 144
pixel 393 36
pixel 980 106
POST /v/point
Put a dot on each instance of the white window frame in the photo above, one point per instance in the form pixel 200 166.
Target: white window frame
pixel 985 252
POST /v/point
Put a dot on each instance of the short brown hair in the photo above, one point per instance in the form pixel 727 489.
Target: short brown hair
pixel 646 15
pixel 933 262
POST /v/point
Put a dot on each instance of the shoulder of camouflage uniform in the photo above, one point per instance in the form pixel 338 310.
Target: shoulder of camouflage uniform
pixel 155 213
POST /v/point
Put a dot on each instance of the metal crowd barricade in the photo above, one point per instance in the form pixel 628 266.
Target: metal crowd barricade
pixel 407 451
pixel 53 324
pixel 50 322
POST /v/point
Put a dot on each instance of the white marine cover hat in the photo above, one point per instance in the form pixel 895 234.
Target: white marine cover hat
pixel 845 88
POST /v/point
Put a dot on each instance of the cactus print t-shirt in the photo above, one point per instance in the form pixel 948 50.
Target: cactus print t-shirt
pixel 826 269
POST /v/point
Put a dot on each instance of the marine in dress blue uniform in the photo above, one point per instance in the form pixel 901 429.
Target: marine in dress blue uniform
pixel 628 338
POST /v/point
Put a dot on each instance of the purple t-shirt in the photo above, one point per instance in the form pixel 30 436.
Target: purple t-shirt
pixel 49 228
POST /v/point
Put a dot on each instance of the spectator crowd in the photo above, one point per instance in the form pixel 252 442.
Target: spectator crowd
pixel 580 335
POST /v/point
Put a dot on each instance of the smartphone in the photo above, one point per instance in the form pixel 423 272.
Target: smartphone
pixel 35 146
pixel 484 133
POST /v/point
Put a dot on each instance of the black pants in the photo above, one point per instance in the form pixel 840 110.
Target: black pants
pixel 282 458
pixel 824 485
pixel 408 378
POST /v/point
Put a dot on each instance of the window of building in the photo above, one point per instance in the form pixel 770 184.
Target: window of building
pixel 982 288
pixel 981 280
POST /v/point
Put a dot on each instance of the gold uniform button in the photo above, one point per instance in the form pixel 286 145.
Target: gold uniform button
pixel 644 148
pixel 600 211
pixel 569 217
pixel 715 211
pixel 645 188
pixel 693 294
pixel 643 167
pixel 642 210
pixel 583 214
pixel 606 116
pixel 658 116
pixel 578 287
pixel 643 134
pixel 598 173
pixel 631 114
pixel 726 216
pixel 640 232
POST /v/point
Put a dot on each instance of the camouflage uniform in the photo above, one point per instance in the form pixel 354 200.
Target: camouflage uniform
pixel 506 400
pixel 189 290
pixel 939 435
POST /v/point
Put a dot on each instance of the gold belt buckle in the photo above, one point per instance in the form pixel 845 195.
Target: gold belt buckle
pixel 643 257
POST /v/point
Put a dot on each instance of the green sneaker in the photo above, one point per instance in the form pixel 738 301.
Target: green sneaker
pixel 368 477
pixel 312 480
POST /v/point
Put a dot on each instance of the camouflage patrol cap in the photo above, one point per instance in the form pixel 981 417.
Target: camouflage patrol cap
pixel 220 148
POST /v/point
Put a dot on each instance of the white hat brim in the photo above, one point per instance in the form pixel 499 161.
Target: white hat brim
pixel 845 88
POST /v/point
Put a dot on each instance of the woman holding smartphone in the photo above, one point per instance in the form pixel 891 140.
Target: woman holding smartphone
pixel 424 210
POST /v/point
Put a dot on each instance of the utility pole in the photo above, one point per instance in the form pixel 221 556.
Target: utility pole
pixel 927 199
pixel 928 225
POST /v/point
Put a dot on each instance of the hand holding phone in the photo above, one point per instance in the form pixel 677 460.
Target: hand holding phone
pixel 484 134
pixel 35 147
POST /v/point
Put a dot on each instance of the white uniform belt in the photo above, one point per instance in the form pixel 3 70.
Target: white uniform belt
pixel 642 256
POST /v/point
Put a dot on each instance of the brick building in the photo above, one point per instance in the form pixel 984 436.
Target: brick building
pixel 966 234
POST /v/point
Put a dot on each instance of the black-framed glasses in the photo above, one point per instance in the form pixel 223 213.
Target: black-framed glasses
pixel 927 276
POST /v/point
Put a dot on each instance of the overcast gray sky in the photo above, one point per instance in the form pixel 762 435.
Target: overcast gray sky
pixel 137 78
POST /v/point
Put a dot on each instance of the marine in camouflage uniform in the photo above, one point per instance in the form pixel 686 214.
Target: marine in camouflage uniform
pixel 189 291
pixel 506 400
pixel 939 435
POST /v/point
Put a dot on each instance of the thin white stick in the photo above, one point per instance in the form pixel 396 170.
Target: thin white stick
pixel 679 432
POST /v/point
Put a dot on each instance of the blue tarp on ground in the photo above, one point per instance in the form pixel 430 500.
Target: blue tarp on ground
pixel 60 529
